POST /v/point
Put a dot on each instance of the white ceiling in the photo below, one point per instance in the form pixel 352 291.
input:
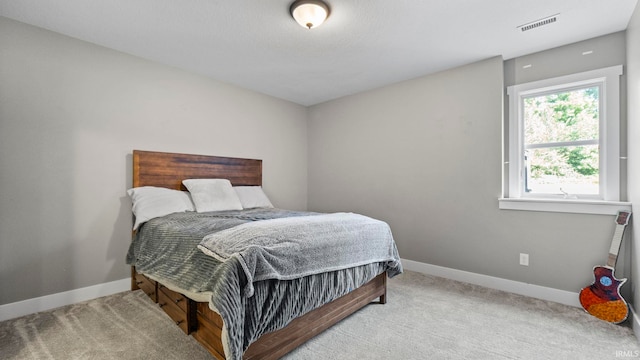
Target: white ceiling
pixel 364 44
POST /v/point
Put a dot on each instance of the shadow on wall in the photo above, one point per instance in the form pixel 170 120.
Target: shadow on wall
pixel 121 234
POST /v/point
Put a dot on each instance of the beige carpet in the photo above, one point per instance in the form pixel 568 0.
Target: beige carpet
pixel 425 318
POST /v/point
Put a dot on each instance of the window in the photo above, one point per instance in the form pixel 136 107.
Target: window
pixel 561 143
pixel 564 143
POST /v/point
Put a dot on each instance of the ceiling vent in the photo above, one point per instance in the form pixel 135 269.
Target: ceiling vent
pixel 541 22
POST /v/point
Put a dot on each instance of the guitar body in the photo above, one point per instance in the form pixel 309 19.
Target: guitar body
pixel 602 298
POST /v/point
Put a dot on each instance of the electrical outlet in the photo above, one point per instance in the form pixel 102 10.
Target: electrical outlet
pixel 524 259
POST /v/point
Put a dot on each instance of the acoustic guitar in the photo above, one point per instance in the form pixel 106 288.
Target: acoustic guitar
pixel 602 298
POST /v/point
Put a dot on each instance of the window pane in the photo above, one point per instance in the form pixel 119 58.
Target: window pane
pixel 559 117
pixel 557 170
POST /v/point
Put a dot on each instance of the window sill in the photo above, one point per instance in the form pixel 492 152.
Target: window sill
pixel 565 206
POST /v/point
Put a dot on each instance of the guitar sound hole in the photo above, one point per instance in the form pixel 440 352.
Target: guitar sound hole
pixel 606 281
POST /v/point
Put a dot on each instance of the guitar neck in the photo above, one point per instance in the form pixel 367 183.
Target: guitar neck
pixel 615 245
pixel 621 223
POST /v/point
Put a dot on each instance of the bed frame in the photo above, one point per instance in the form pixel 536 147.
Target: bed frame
pixel 168 170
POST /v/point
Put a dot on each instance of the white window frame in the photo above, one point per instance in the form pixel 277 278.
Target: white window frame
pixel 514 198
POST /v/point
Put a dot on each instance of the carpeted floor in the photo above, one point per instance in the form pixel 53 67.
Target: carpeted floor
pixel 425 318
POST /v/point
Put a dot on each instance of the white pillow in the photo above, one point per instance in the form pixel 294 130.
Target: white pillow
pixel 151 202
pixel 212 194
pixel 252 197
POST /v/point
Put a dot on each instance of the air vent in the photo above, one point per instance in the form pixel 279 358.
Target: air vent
pixel 541 22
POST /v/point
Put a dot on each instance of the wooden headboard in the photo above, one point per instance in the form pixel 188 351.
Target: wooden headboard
pixel 151 168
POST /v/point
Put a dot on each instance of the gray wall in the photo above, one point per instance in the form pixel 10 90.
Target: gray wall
pixel 70 115
pixel 425 155
pixel 633 118
pixel 608 50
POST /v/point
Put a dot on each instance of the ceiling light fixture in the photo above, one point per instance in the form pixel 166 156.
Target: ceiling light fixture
pixel 309 13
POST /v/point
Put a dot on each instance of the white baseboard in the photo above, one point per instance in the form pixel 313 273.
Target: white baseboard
pixel 48 302
pixel 535 291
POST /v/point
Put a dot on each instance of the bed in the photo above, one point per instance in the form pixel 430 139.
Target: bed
pixel 193 313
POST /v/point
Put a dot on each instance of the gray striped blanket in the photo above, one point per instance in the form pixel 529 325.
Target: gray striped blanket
pixel 293 247
pixel 166 249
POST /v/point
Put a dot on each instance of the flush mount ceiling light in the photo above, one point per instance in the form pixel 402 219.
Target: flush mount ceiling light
pixel 309 13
